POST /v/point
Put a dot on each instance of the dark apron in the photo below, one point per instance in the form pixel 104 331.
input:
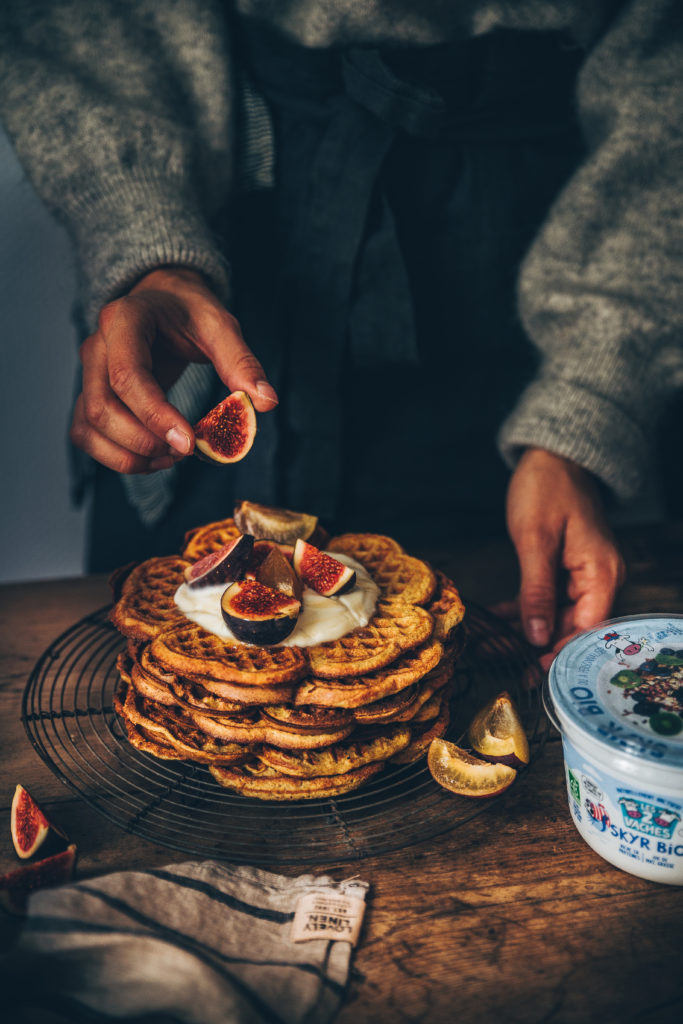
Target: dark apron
pixel 376 283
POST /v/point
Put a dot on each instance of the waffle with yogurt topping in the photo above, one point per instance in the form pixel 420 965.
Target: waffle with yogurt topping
pixel 344 707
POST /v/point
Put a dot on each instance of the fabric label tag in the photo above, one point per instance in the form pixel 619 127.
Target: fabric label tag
pixel 327 915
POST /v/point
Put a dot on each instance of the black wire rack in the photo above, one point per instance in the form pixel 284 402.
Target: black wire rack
pixel 68 715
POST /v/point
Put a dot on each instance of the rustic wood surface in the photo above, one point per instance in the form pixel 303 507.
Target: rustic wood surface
pixel 510 917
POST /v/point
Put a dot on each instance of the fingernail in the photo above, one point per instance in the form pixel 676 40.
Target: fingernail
pixel 162 462
pixel 179 440
pixel 538 632
pixel 265 390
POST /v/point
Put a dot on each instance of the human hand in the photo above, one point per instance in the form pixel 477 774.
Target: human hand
pixel 143 343
pixel 557 524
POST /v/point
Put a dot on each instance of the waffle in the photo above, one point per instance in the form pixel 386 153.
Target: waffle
pixel 205 539
pixel 266 731
pixel 178 732
pixel 395 627
pixel 366 548
pixel 366 689
pixel 423 736
pixel 210 694
pixel 257 780
pixel 190 650
pixel 446 607
pixel 398 576
pixel 146 606
pixel 340 757
pixel 289 723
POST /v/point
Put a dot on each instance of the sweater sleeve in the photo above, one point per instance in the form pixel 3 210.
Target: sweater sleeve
pixel 120 112
pixel 599 291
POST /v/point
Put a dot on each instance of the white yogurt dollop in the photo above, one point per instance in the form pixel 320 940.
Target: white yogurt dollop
pixel 321 618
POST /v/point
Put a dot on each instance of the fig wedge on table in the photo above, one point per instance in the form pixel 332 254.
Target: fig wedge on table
pixel 30 827
pixel 227 432
pixel 461 772
pixel 496 733
pixel 16 886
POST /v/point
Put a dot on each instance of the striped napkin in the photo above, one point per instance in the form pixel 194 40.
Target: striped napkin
pixel 195 943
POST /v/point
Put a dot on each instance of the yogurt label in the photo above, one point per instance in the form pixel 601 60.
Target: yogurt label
pixel 616 695
pixel 633 828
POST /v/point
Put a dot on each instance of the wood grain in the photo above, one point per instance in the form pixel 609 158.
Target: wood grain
pixel 511 917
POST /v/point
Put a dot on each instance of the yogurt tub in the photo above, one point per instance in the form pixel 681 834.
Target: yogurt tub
pixel 615 694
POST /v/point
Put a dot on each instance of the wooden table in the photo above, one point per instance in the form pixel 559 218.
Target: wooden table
pixel 511 917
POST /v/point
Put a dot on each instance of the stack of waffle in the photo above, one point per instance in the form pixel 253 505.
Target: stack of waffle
pixel 289 723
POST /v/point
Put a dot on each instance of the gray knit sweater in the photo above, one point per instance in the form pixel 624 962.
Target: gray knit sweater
pixel 123 113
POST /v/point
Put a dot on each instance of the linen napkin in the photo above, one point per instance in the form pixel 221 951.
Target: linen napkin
pixel 195 943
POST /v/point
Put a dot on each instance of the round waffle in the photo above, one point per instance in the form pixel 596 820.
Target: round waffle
pixel 268 784
pixel 341 757
pixel 388 709
pixel 366 548
pixel 422 736
pixel 372 686
pixel 395 627
pixel 264 730
pixel 399 576
pixel 211 537
pixel 146 606
pixel 308 717
pixel 190 650
pixel 446 607
pixel 178 731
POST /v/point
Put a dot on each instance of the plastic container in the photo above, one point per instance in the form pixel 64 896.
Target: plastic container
pixel 616 696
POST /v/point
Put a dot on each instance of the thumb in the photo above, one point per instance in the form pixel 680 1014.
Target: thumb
pixel 538 554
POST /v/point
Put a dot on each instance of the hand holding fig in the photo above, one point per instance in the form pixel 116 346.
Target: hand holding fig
pixel 556 522
pixel 143 342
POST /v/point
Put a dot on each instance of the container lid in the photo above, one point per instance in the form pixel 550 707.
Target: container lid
pixel 622 685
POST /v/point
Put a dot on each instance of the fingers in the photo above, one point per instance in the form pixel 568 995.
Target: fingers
pixel 105 413
pixel 221 338
pixel 108 452
pixel 127 331
pixel 596 585
pixel 538 551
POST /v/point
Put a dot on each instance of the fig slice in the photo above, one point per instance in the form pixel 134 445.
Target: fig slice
pixel 260 552
pixel 223 566
pixel 16 886
pixel 496 733
pixel 321 572
pixel 227 432
pixel 278 524
pixel 278 573
pixel 257 614
pixel 460 772
pixel 30 826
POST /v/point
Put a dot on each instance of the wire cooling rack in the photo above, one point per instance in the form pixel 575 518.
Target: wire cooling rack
pixel 68 715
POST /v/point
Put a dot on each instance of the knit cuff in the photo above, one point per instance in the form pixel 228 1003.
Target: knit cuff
pixel 128 227
pixel 582 426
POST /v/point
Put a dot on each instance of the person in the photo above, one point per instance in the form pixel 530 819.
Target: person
pixel 377 176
